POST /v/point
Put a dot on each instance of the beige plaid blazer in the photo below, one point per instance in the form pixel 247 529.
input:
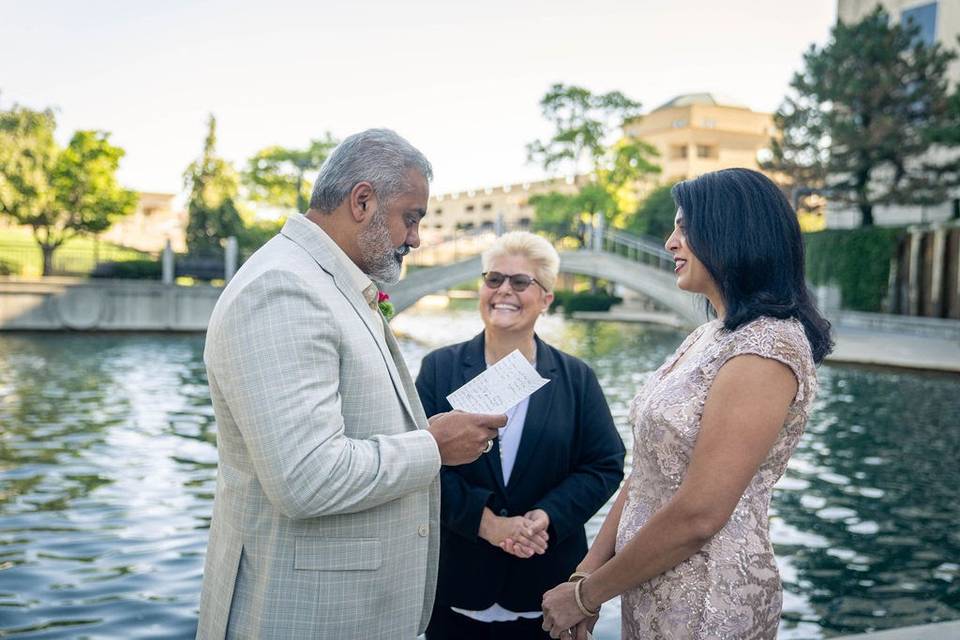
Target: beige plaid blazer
pixel 325 520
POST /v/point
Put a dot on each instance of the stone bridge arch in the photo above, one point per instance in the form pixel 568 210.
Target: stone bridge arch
pixel 648 280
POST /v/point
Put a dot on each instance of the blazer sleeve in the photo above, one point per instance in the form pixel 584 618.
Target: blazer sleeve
pixel 597 469
pixel 461 503
pixel 276 360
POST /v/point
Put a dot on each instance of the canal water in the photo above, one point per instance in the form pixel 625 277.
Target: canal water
pixel 108 459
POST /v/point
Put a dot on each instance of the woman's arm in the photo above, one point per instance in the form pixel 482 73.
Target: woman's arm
pixel 744 412
pixel 604 544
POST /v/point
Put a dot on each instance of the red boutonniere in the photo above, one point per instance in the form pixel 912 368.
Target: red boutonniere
pixel 386 307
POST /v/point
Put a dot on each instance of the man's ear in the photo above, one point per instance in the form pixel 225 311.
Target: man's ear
pixel 362 201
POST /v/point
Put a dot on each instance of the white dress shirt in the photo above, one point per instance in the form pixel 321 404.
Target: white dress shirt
pixel 509 439
pixel 357 277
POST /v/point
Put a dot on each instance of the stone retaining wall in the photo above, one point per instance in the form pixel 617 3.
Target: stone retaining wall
pixel 57 304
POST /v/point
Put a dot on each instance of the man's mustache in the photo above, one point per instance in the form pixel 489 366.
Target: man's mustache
pixel 402 250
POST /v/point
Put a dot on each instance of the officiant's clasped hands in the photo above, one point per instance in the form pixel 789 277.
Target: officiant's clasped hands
pixel 521 536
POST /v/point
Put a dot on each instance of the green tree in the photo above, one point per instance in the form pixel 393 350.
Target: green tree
pixel 256 233
pixel 948 135
pixel 863 114
pixel 555 214
pixel 59 192
pixel 654 217
pixel 275 175
pixel 583 123
pixel 212 208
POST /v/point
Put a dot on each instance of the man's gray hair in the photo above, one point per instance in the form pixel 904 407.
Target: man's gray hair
pixel 378 156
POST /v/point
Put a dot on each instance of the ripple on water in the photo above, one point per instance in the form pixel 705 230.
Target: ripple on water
pixel 108 464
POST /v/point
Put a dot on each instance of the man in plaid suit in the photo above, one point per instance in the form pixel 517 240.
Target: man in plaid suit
pixel 325 520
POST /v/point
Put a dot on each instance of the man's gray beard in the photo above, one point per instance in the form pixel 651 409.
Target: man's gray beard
pixel 379 256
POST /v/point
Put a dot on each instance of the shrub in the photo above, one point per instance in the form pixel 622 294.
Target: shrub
pixel 129 270
pixel 571 301
pixel 654 217
pixel 855 260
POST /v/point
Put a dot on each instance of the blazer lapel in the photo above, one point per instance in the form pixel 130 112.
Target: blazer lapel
pixel 474 362
pixel 400 369
pixel 538 414
pixel 299 230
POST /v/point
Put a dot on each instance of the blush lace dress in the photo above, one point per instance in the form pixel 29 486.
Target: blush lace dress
pixel 731 587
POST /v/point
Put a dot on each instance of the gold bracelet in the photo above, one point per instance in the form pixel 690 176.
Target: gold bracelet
pixel 577 576
pixel 579 598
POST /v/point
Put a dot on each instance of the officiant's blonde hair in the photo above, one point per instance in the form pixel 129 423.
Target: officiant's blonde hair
pixel 538 250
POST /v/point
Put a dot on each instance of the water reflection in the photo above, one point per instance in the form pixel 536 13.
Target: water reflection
pixel 107 465
pixel 869 508
pixel 104 503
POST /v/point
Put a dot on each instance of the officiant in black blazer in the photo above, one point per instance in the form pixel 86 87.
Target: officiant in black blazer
pixel 513 521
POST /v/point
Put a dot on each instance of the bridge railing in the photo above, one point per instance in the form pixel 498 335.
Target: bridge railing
pixel 452 249
pixel 466 244
pixel 637 248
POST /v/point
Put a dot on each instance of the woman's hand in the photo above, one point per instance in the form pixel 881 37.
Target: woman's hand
pixel 584 627
pixel 523 536
pixel 560 610
pixel 526 547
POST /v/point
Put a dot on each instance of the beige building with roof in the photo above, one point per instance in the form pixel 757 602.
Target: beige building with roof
pixel 693 134
pixel 148 228
pixel 152 223
pixel 701 132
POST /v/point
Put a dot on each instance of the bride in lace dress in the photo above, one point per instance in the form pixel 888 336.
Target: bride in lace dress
pixel 686 543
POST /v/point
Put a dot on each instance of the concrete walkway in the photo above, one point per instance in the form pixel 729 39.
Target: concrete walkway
pixel 938 631
pixel 860 346
pixel 857 342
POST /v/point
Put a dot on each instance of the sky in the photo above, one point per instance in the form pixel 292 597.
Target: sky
pixel 461 80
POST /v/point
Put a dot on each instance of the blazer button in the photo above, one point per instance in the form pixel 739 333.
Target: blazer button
pixel 504 512
pixel 423 530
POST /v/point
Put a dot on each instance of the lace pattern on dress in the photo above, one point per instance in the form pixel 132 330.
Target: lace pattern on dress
pixel 731 587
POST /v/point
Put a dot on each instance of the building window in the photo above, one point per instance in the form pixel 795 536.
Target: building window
pixel 486 225
pixel 524 223
pixel 469 208
pixel 438 211
pixel 487 206
pixel 709 123
pixel 925 17
pixel 679 123
pixel 678 151
pixel 705 151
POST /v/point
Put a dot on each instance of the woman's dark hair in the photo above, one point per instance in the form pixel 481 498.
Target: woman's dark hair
pixel 741 227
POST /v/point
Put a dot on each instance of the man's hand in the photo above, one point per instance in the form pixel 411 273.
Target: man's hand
pixel 462 437
pixel 498 530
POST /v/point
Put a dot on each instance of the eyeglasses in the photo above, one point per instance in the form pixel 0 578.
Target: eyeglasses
pixel 518 281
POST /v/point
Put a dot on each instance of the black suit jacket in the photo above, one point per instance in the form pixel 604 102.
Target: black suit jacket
pixel 570 461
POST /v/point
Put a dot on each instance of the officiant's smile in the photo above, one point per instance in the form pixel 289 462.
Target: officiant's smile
pixel 513 297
